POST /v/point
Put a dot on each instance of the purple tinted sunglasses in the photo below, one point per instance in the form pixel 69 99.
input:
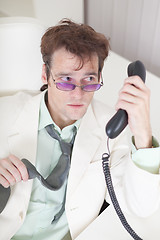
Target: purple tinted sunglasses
pixel 64 86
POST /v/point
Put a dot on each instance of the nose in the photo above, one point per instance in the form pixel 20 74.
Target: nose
pixel 77 93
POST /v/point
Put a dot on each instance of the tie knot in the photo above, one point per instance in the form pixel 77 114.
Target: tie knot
pixel 52 132
pixel 66 148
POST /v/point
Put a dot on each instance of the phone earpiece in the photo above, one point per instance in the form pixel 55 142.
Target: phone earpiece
pixel 137 68
pixel 120 120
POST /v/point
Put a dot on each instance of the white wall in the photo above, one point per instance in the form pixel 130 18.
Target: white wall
pixel 133 27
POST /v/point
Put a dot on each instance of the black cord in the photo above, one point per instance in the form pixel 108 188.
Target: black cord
pixel 108 178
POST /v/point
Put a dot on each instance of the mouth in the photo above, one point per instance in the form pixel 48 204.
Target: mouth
pixel 75 105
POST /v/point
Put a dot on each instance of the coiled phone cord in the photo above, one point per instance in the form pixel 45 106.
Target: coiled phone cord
pixel 106 169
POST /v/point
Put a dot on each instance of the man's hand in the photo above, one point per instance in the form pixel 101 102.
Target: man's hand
pixel 134 97
pixel 12 170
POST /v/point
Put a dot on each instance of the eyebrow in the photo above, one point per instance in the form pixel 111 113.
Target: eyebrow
pixel 63 74
pixel 91 73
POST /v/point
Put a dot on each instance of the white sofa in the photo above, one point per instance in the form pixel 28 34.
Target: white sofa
pixel 21 62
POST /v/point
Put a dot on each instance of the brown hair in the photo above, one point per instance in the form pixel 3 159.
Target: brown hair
pixel 79 39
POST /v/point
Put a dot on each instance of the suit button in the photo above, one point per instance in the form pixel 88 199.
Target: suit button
pixel 73 208
pixel 21 215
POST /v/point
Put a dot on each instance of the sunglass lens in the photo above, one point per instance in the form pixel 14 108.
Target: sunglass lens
pixel 65 86
pixel 91 87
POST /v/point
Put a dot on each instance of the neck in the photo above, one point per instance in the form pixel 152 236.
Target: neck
pixel 61 123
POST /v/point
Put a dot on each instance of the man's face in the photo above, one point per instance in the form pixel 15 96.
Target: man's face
pixel 66 107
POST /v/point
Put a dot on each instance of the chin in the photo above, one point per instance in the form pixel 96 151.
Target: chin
pixel 76 117
pixel 77 114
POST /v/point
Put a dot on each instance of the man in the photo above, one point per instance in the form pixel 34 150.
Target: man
pixel 73 57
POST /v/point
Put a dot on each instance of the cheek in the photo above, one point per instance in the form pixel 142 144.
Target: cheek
pixel 89 97
pixel 59 97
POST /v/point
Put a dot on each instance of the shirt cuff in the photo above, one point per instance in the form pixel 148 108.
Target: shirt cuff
pixel 147 158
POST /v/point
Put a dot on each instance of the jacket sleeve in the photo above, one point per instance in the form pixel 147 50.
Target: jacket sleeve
pixel 137 190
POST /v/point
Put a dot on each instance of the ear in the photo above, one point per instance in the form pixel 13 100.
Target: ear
pixel 44 76
pixel 99 76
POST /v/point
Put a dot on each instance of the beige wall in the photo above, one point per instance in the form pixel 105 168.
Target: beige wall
pixel 47 11
pixel 52 11
pixel 132 25
pixel 17 8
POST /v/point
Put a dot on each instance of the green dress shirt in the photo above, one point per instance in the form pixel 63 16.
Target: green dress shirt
pixel 147 159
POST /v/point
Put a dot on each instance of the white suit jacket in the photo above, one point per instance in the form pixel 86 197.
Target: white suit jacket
pixel 137 190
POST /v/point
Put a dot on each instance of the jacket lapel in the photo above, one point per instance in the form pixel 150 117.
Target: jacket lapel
pixel 86 143
pixel 22 138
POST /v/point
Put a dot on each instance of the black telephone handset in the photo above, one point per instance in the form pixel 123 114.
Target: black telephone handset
pixel 113 128
pixel 120 120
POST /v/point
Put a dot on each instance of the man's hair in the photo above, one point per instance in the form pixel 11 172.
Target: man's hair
pixel 79 39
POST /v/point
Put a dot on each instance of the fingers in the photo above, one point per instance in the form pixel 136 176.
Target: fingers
pixel 133 92
pixel 134 97
pixel 12 170
pixel 136 81
pixel 20 167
